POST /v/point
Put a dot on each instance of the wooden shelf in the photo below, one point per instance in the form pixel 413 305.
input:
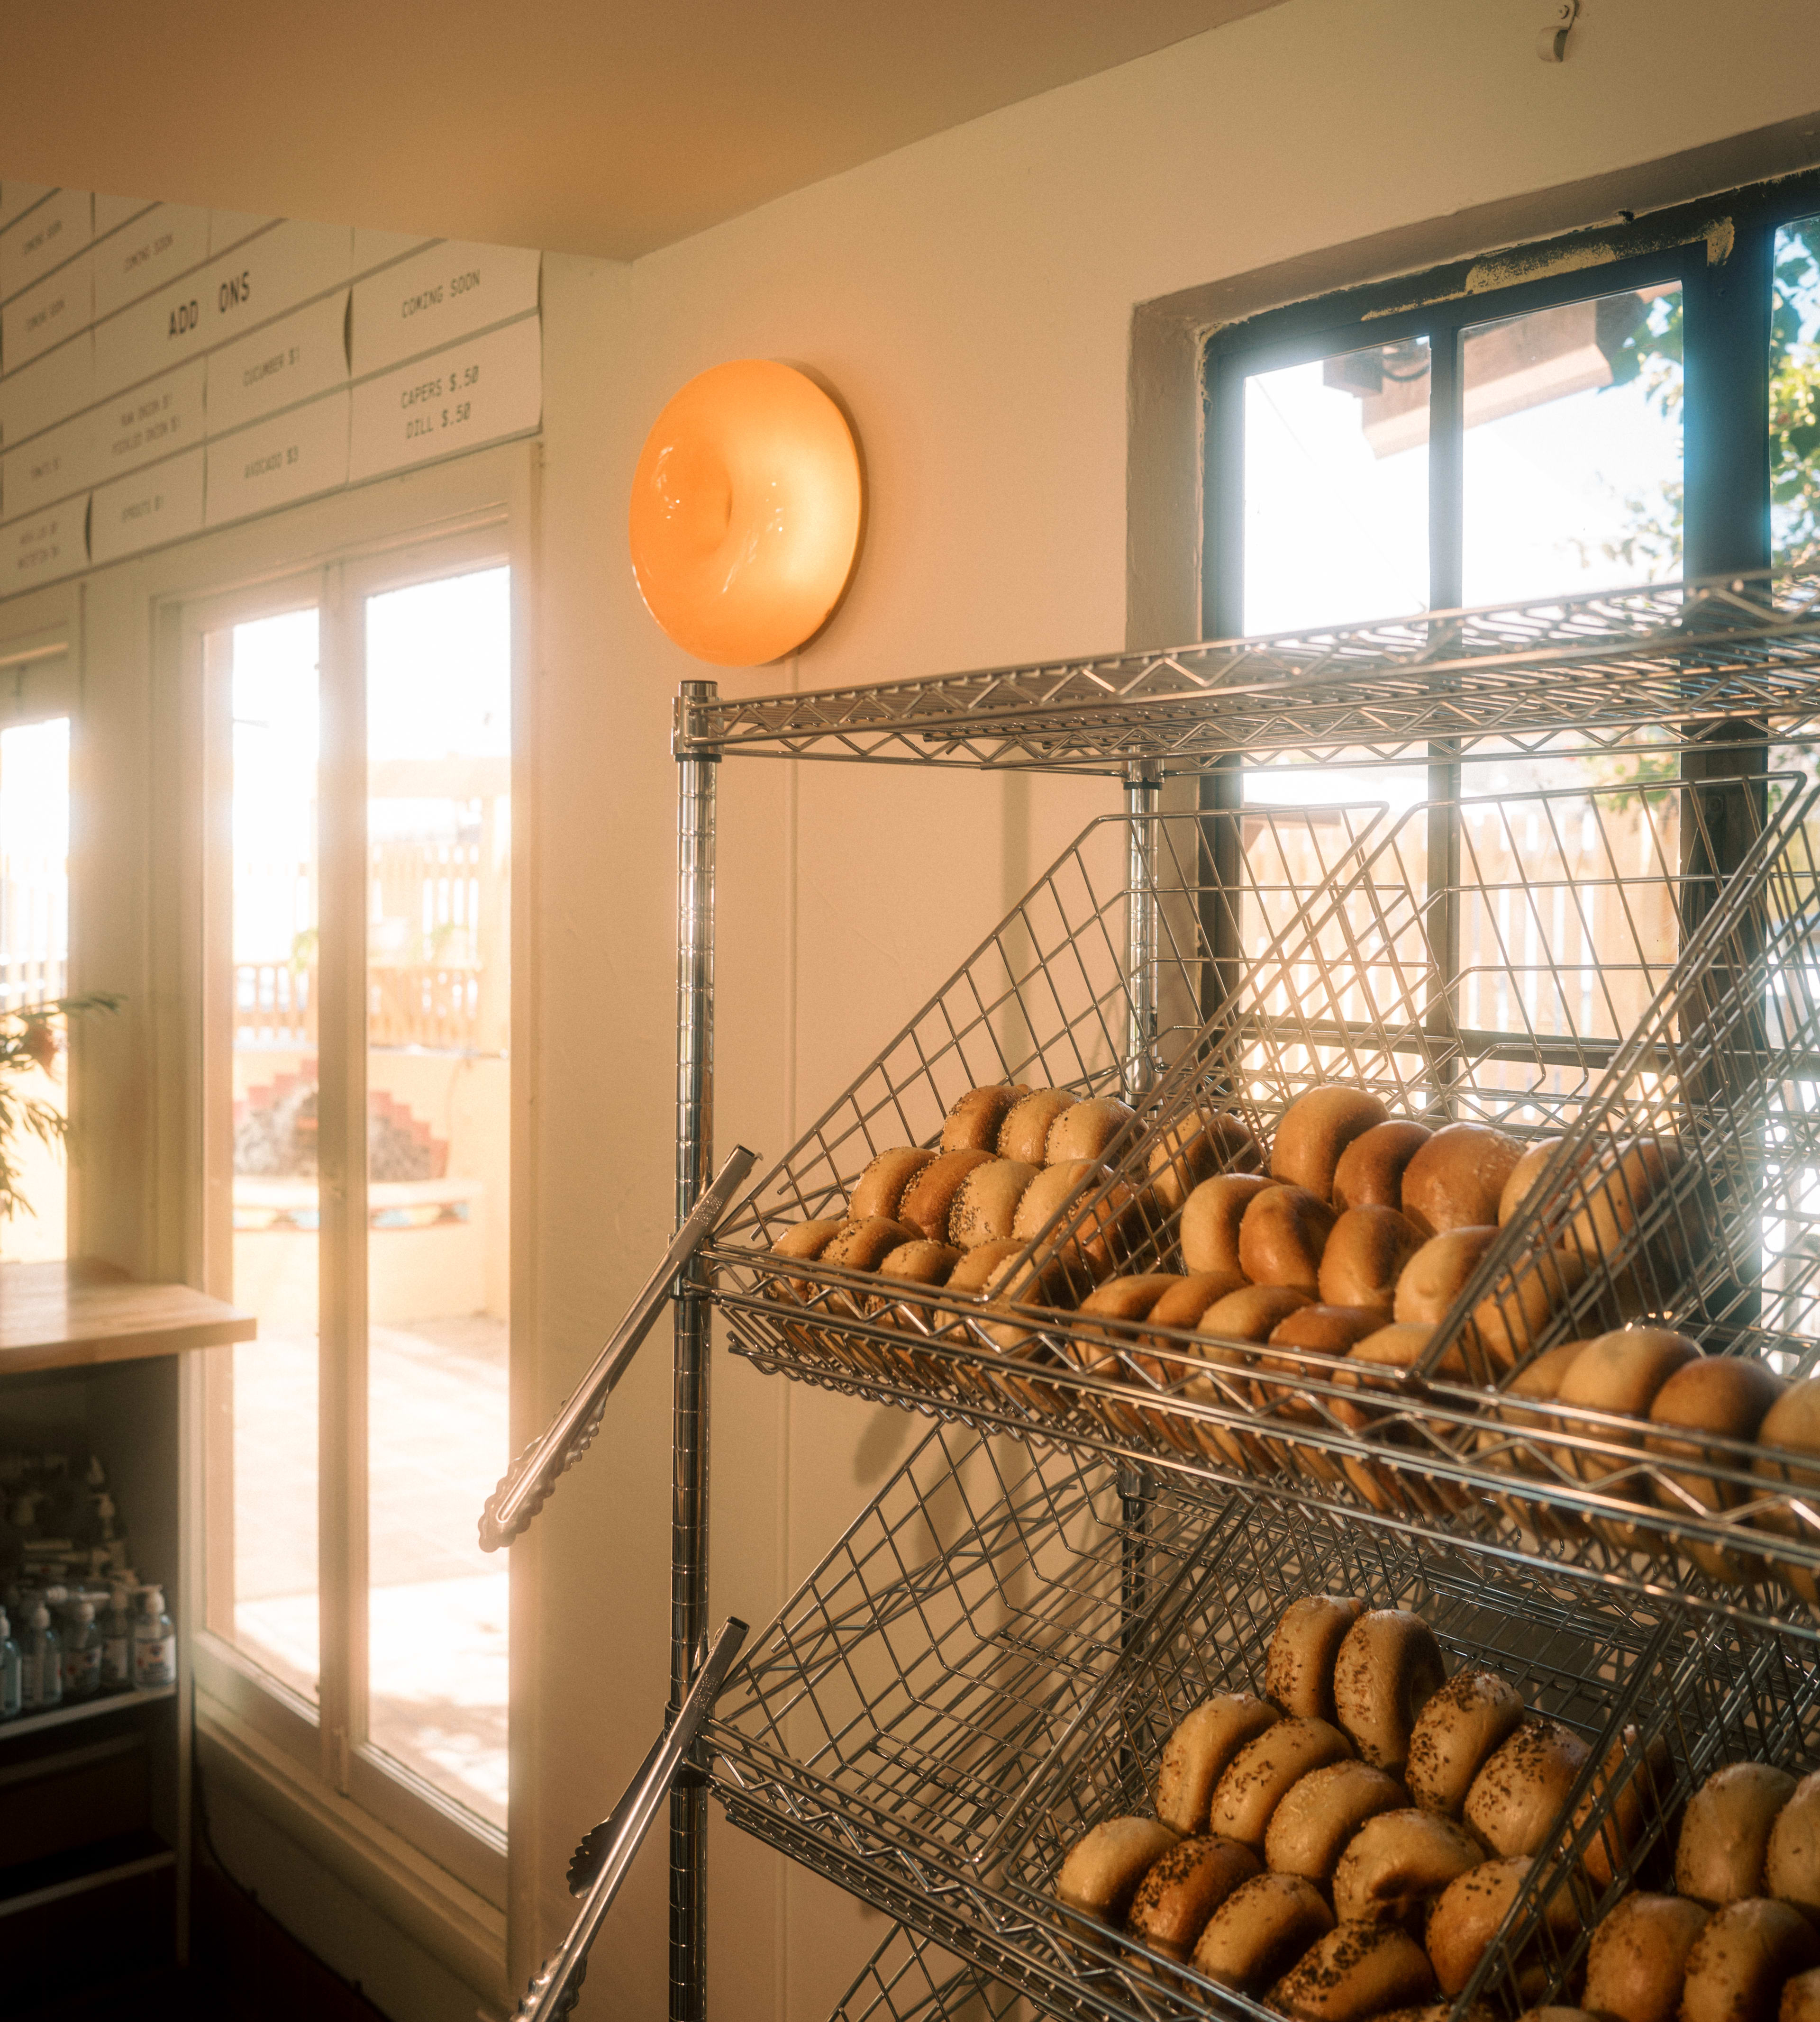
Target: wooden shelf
pixel 76 1315
pixel 63 1716
pixel 38 1882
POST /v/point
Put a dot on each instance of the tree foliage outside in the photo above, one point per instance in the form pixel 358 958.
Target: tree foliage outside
pixel 31 1040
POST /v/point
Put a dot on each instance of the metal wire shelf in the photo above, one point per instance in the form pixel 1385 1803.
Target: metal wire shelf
pixel 1609 669
pixel 910 1979
pixel 966 1684
pixel 1690 1015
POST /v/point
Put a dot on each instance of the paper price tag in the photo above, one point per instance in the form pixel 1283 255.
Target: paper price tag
pixel 60 226
pixel 151 421
pixel 111 211
pixel 424 303
pixel 165 241
pixel 154 505
pixel 43 547
pixel 16 199
pixel 50 466
pixel 59 384
pixel 474 393
pixel 273 463
pixel 295 359
pixel 57 307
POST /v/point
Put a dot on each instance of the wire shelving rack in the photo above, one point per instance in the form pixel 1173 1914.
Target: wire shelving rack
pixel 1089 1535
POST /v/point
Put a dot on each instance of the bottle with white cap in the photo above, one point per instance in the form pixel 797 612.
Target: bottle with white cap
pixel 82 1652
pixel 40 1664
pixel 154 1642
pixel 116 1644
pixel 9 1671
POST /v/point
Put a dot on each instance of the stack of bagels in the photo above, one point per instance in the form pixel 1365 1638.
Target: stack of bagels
pixel 1738 1940
pixel 1350 1236
pixel 1346 1845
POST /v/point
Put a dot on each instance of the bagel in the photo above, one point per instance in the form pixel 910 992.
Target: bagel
pixel 972 1279
pixel 1399 1862
pixel 1084 1129
pixel 1455 1734
pixel 1455 1180
pixel 1180 1306
pixel 1259 1776
pixel 918 1263
pixel 1638 1960
pixel 1615 1194
pixel 1356 1970
pixel 1730 1394
pixel 1248 1314
pixel 1389 1667
pixel 1792 1426
pixel 1516 1800
pixel 863 1246
pixel 1102 1236
pixel 1259 1931
pixel 807 1240
pixel 1738 1965
pixel 1437 1275
pixel 1369 1172
pixel 1253 1313
pixel 1281 1237
pixel 1323 1331
pixel 1467 1916
pixel 928 1200
pixel 1309 1829
pixel 1523 1176
pixel 1372 1366
pixel 986 1202
pixel 1517 1443
pixel 1791 1857
pixel 1195 1149
pixel 1514 1315
pixel 1024 1135
pixel 1315 1130
pixel 1195 1756
pixel 1634 1787
pixel 1365 1251
pixel 1620 1372
pixel 1725 1833
pixel 1801 1999
pixel 974 1122
pixel 1298 1666
pixel 880 1187
pixel 1183 1888
pixel 1208 1231
pixel 1101 1874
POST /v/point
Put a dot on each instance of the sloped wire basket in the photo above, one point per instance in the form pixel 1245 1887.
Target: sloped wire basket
pixel 908 1979
pixel 1586 976
pixel 990 1661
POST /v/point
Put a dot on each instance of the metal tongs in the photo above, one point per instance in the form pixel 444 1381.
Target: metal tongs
pixel 526 1485
pixel 600 1863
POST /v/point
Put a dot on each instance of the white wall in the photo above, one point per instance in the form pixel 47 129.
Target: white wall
pixel 970 300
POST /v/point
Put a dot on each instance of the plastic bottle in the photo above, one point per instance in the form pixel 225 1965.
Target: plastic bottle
pixel 117 1644
pixel 154 1642
pixel 40 1664
pixel 10 1685
pixel 81 1652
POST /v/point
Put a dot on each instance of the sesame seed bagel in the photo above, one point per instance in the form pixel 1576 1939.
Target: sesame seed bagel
pixel 1259 1777
pixel 974 1122
pixel 1739 1963
pixel 1104 1866
pixel 1473 1713
pixel 1356 1970
pixel 1196 1755
pixel 1024 1135
pixel 1261 1930
pixel 1517 1799
pixel 1183 1888
pixel 1309 1830
pixel 880 1190
pixel 1298 1667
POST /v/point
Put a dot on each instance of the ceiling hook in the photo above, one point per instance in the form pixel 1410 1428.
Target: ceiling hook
pixel 1551 44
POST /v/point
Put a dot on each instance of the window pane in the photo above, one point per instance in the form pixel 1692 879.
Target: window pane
pixel 1573 448
pixel 1795 397
pixel 1336 490
pixel 439 985
pixel 34 901
pixel 273 1498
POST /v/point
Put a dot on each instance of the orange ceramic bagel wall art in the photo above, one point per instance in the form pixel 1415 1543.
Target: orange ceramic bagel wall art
pixel 746 512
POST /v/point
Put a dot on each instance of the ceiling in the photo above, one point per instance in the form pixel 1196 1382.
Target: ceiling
pixel 604 128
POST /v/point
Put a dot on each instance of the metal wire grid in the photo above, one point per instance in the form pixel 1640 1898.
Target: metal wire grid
pixel 898 1730
pixel 910 1979
pixel 1569 1011
pixel 1050 997
pixel 1612 667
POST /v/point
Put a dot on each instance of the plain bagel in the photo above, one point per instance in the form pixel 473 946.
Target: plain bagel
pixel 1195 1756
pixel 1309 1830
pixel 1281 1237
pixel 1195 1149
pixel 1369 1173
pixel 1740 1961
pixel 1298 1666
pixel 1791 1859
pixel 1638 1958
pixel 1388 1668
pixel 1725 1834
pixel 1209 1231
pixel 1365 1254
pixel 1259 1777
pixel 1315 1130
pixel 1438 1273
pixel 1456 1179
pixel 1730 1395
pixel 1259 1931
pixel 1792 1425
pixel 1104 1866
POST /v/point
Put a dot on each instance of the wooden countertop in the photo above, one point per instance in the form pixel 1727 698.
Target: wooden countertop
pixel 66 1315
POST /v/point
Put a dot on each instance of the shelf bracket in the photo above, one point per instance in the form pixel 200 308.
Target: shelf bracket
pixel 527 1484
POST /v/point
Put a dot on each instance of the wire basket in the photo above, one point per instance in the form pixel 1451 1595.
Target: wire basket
pixel 992 1659
pixel 1579 970
pixel 909 1980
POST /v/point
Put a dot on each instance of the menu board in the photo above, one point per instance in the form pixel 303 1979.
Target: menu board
pixel 165 368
